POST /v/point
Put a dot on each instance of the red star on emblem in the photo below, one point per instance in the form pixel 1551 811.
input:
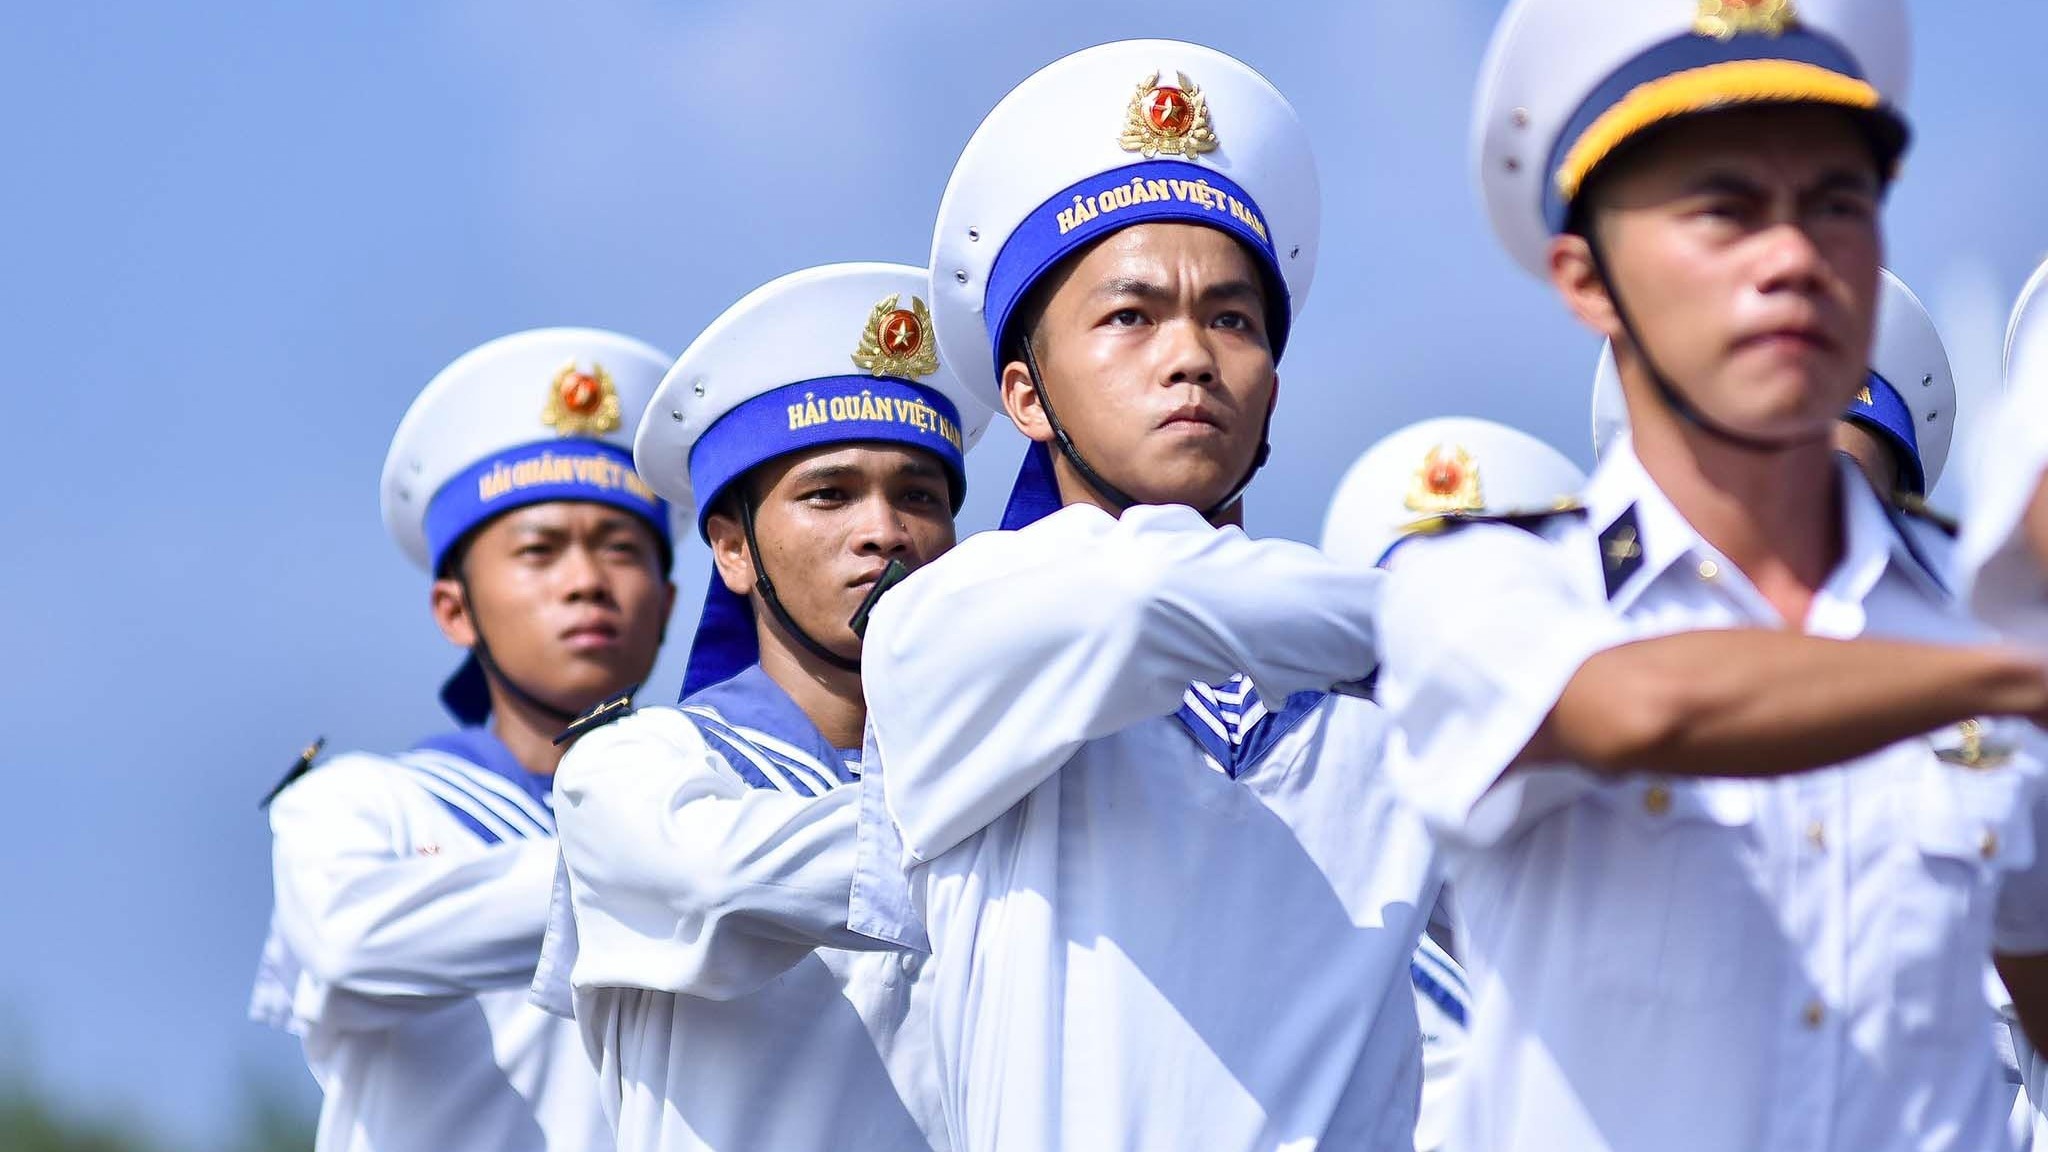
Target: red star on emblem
pixel 582 394
pixel 1444 476
pixel 1168 111
pixel 902 335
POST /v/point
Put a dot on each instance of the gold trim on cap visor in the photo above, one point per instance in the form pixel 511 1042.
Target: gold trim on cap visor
pixel 1702 90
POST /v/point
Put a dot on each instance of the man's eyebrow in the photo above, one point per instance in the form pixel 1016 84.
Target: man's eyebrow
pixel 1131 286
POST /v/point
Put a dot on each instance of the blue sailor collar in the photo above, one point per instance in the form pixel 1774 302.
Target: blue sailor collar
pixel 751 708
pixel 1642 534
pixel 481 747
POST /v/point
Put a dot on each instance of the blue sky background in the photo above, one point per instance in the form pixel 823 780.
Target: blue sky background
pixel 237 240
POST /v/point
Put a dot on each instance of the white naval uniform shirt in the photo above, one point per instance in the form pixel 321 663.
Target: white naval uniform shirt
pixel 411 895
pixel 1131 948
pixel 709 854
pixel 2006 586
pixel 1667 963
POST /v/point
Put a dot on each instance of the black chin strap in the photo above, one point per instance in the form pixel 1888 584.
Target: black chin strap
pixel 1668 393
pixel 767 589
pixel 1114 495
pixel 482 651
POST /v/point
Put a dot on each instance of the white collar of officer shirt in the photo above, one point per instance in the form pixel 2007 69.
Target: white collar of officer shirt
pixel 1872 539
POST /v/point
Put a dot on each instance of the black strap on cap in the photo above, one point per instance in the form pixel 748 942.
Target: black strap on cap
pixel 1668 392
pixel 766 587
pixel 482 651
pixel 1117 497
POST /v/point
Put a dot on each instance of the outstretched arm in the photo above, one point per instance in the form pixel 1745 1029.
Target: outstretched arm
pixel 988 669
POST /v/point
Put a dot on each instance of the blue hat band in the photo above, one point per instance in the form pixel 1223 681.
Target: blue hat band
pixel 538 473
pixel 816 413
pixel 1673 59
pixel 1880 408
pixel 1144 193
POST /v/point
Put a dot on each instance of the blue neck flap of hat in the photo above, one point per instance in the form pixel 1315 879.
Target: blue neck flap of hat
pixel 1880 409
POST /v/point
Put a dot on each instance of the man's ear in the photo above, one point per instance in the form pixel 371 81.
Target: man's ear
pixel 1021 401
pixel 451 612
pixel 1576 276
pixel 729 553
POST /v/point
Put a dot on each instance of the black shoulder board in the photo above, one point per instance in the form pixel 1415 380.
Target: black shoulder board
pixel 1527 519
pixel 612 709
pixel 1916 507
pixel 299 768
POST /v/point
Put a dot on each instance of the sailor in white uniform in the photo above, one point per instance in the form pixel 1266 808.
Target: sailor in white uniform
pixel 412 889
pixel 1728 783
pixel 1416 478
pixel 709 847
pixel 2002 557
pixel 1900 436
pixel 1170 901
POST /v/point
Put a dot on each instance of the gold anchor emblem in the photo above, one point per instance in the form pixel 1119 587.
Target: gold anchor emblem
pixel 1623 548
pixel 1973 753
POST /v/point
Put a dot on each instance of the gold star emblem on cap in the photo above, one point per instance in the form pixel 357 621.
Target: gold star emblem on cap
pixel 1446 481
pixel 581 403
pixel 1727 19
pixel 898 341
pixel 1169 120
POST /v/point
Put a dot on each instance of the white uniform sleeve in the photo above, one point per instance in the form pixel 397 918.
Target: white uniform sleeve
pixel 987 670
pixel 1999 576
pixel 1480 632
pixel 363 913
pixel 682 878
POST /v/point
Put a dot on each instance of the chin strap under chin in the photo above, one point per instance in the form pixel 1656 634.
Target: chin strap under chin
pixel 482 651
pixel 1110 493
pixel 1667 392
pixel 767 589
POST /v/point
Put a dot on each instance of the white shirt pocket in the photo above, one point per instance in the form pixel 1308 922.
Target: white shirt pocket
pixel 1669 871
pixel 1968 828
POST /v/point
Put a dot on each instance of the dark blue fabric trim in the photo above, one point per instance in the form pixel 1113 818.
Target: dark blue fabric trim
pixel 1683 53
pixel 1445 999
pixel 828 410
pixel 1891 421
pixel 539 473
pixel 1146 192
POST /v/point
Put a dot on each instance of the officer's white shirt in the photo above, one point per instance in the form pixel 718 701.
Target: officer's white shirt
pixel 2006 586
pixel 1668 963
pixel 411 894
pixel 709 855
pixel 1131 948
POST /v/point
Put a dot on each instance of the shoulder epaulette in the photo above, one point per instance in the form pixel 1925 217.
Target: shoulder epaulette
pixel 1916 507
pixel 615 708
pixel 300 767
pixel 1527 519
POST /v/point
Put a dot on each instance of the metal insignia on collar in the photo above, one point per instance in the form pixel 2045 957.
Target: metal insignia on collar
pixel 1169 120
pixel 618 707
pixel 1446 481
pixel 1727 19
pixel 1972 751
pixel 581 403
pixel 898 341
pixel 1621 551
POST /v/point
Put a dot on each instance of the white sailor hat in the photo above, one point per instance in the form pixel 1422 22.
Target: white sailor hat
pixel 833 355
pixel 536 416
pixel 2024 331
pixel 526 419
pixel 1448 465
pixel 1567 83
pixel 1111 136
pixel 1909 400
